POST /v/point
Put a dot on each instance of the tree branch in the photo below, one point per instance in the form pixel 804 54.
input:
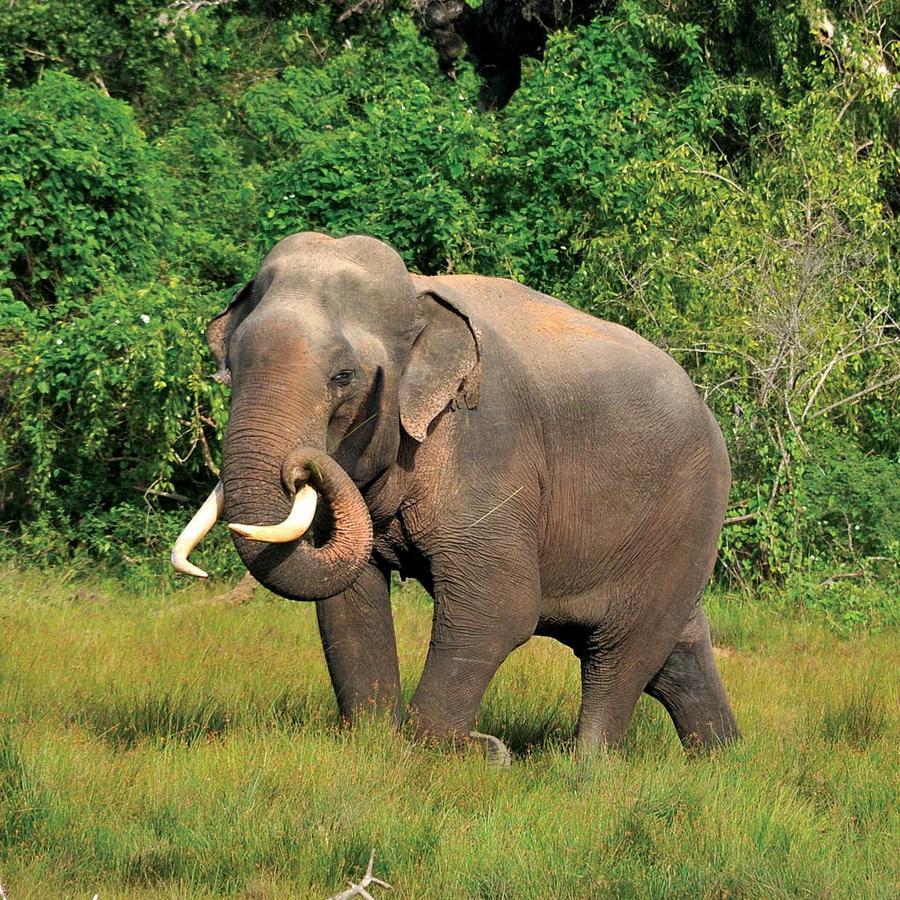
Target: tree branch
pixel 838 575
pixel 180 498
pixel 709 174
pixel 735 520
pixel 869 390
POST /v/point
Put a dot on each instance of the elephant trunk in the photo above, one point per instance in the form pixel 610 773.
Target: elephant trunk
pixel 260 491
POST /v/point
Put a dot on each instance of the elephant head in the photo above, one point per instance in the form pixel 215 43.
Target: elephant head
pixel 332 354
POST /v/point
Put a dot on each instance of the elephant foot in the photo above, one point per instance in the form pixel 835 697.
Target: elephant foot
pixel 495 751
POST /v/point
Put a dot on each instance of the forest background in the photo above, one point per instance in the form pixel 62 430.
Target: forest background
pixel 722 177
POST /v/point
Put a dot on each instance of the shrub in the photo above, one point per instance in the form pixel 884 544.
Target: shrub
pixel 720 177
pixel 108 404
pixel 76 194
pixel 390 159
pixel 849 500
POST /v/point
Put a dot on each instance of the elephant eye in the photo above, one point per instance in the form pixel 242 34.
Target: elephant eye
pixel 345 376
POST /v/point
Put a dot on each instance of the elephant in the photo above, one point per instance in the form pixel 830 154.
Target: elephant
pixel 539 471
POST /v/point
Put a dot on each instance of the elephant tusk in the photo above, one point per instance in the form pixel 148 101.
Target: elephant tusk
pixel 295 525
pixel 195 531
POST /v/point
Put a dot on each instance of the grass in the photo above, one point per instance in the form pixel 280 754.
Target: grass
pixel 170 746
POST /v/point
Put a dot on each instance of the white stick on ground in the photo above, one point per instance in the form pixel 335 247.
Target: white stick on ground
pixel 359 890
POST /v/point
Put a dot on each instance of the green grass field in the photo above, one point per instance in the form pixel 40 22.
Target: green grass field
pixel 174 746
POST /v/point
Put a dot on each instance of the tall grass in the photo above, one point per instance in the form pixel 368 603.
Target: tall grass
pixel 170 746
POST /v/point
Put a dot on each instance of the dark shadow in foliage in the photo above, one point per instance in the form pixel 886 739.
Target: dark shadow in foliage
pixel 650 732
pixel 522 730
pixel 851 498
pixel 172 717
pixel 496 35
pixel 524 736
pixel 651 813
pixel 153 864
pixel 291 711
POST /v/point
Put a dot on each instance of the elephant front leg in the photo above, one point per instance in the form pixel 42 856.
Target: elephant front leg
pixel 480 617
pixel 357 631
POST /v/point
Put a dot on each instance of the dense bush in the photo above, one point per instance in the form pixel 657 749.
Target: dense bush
pixel 849 500
pixel 723 178
pixel 77 199
pixel 105 406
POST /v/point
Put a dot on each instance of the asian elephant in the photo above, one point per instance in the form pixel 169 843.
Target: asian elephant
pixel 539 471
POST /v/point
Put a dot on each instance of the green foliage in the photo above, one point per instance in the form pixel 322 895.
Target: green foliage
pixel 850 601
pixel 721 177
pixel 345 156
pixel 21 801
pixel 213 193
pixel 108 404
pixel 850 500
pixel 147 52
pixel 90 38
pixel 76 192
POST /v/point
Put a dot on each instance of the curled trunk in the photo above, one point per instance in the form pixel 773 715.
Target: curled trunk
pixel 260 491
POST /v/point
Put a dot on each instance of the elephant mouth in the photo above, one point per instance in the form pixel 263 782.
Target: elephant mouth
pixel 297 524
pixel 320 547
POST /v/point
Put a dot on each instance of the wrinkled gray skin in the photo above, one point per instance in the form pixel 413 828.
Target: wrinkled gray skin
pixel 538 470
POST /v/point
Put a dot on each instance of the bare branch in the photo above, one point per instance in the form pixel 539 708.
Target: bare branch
pixel 736 520
pixel 838 575
pixel 359 890
pixel 708 390
pixel 39 54
pixel 700 350
pixel 97 78
pixel 320 53
pixel 358 7
pixel 869 390
pixel 183 8
pixel 207 454
pixel 783 465
pixel 152 491
pixel 840 357
pixel 716 175
pixel 847 105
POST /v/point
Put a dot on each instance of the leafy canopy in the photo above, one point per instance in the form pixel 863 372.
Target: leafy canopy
pixel 722 177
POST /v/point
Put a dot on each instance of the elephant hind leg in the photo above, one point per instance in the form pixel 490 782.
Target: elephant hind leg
pixel 689 687
pixel 609 693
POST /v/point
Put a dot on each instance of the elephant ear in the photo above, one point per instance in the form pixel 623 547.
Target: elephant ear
pixel 220 329
pixel 444 366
